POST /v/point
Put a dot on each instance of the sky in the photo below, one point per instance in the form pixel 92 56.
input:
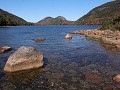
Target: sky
pixel 35 10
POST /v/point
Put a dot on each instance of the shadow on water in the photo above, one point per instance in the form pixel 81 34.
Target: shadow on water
pixel 45 61
pixel 2 74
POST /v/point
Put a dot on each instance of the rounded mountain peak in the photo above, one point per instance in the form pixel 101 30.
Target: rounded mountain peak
pixel 47 18
pixel 60 17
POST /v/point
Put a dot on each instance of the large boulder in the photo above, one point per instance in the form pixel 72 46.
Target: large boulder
pixel 24 58
pixel 68 36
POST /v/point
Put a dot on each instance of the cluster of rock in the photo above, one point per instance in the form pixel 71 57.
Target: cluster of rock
pixel 107 36
pixel 25 57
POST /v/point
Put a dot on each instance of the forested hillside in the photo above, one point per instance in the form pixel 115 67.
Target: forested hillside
pixel 8 19
pixel 112 24
pixel 101 14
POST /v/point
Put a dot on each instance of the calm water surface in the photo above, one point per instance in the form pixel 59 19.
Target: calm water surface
pixel 77 64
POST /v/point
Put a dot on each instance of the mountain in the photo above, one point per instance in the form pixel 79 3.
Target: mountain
pixel 112 24
pixel 46 21
pixel 55 21
pixel 8 19
pixel 101 14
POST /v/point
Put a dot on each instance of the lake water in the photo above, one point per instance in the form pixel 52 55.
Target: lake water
pixel 76 64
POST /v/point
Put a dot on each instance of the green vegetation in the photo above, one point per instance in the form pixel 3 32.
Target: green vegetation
pixel 8 19
pixel 101 14
pixel 112 24
pixel 107 14
pixel 94 39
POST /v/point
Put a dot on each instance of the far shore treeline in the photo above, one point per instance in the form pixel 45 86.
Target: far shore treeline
pixel 107 15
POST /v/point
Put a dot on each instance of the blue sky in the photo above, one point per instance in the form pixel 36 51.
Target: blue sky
pixel 35 10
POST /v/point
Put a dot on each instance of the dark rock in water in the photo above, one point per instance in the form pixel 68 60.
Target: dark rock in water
pixel 4 49
pixel 24 58
pixel 109 87
pixel 40 39
pixel 93 77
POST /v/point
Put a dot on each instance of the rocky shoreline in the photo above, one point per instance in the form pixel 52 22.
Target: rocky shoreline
pixel 111 39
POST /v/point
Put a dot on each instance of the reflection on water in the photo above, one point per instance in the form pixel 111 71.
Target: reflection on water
pixel 77 64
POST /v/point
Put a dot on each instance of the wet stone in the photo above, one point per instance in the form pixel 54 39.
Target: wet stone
pixel 118 86
pixel 117 78
pixel 25 58
pixel 93 77
pixel 57 75
pixel 109 87
pixel 5 49
pixel 68 36
pixel 39 39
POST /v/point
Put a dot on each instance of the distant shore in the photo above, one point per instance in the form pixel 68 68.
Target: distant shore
pixel 109 39
pixel 6 26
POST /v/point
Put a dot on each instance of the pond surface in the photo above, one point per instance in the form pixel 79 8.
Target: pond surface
pixel 76 64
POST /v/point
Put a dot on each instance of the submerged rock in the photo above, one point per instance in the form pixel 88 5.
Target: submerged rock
pixel 68 36
pixel 117 78
pixel 39 39
pixel 93 77
pixel 24 58
pixel 4 49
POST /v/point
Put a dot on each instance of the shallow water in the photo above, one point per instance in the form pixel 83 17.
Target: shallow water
pixel 77 64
